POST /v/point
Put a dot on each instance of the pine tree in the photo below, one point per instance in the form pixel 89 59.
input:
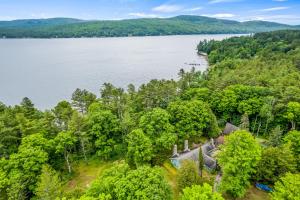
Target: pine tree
pixel 49 187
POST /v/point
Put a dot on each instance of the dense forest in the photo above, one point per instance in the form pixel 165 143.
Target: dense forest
pixel 252 82
pixel 180 25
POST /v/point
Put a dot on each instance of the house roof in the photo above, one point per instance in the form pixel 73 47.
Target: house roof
pixel 229 128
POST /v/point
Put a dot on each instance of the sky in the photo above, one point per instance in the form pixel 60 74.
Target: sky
pixel 282 11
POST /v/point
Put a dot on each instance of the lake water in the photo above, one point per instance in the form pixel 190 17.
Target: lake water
pixel 49 70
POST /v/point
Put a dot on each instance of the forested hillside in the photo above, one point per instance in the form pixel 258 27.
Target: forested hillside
pixel 253 82
pixel 180 25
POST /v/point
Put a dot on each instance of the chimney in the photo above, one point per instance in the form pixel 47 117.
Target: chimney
pixel 175 153
pixel 186 146
pixel 212 142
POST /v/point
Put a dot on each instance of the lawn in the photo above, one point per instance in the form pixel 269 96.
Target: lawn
pixel 170 173
pixel 85 173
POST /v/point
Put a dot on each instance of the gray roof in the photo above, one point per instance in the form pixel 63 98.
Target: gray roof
pixel 229 128
pixel 190 155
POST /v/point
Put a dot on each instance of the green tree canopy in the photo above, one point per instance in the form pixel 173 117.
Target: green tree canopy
pixel 197 192
pixel 156 125
pixel 143 183
pixel 238 158
pixel 293 138
pixel 139 150
pixel 287 188
pixel 187 174
pixel 49 186
pixel 105 129
pixel 193 119
pixel 119 182
pixel 275 162
pixel 82 99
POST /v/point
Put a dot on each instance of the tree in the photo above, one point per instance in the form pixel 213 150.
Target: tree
pixel 64 142
pixel 28 108
pixel 201 161
pixel 293 138
pixel 275 162
pixel 63 113
pixel 197 192
pixel 23 170
pixel 275 137
pixel 143 183
pixel 155 94
pixel 187 174
pixel 293 114
pixel 119 182
pixel 107 181
pixel 114 99
pixel 78 126
pixel 157 127
pixel 238 158
pixel 82 99
pixel 49 186
pixel 105 129
pixel 10 132
pixel 245 122
pixel 192 119
pixel 202 94
pixel 139 150
pixel 287 188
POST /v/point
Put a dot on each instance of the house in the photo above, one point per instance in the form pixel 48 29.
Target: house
pixel 208 150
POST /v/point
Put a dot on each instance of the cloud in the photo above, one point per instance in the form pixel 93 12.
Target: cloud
pixel 222 1
pixel 285 19
pixel 280 0
pixel 273 9
pixel 167 8
pixel 275 17
pixel 143 15
pixel 193 9
pixel 7 18
pixel 221 15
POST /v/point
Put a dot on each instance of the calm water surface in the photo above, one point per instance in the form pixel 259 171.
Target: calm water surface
pixel 49 70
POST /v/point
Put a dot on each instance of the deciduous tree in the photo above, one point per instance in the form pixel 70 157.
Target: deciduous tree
pixel 238 158
pixel 187 174
pixel 197 192
pixel 140 149
pixel 287 188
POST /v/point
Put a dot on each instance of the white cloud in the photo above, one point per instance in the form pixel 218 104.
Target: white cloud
pixel 280 0
pixel 285 19
pixel 7 18
pixel 222 1
pixel 143 15
pixel 167 8
pixel 41 15
pixel 193 9
pixel 274 9
pixel 221 15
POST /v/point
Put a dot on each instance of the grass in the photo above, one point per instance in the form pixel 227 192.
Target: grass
pixel 171 175
pixel 256 194
pixel 85 173
pixel 252 194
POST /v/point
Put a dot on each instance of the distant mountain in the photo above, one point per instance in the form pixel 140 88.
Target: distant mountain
pixel 30 23
pixel 180 25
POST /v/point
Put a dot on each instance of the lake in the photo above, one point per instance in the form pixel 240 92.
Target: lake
pixel 49 70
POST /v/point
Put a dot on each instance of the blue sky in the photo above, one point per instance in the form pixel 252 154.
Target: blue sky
pixel 283 11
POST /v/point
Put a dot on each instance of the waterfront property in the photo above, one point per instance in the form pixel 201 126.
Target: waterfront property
pixel 208 150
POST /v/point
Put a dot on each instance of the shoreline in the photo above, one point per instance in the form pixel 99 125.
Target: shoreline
pixel 103 37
